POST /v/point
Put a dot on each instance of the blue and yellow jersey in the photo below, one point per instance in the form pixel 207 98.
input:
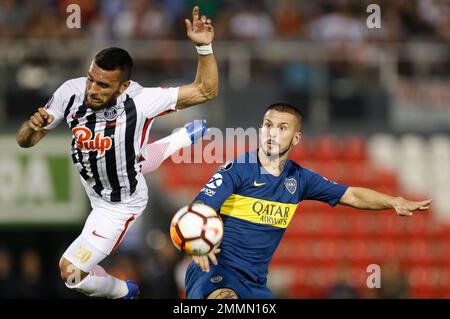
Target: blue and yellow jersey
pixel 257 207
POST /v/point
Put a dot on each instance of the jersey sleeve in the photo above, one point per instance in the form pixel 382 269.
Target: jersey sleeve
pixel 321 189
pixel 154 101
pixel 221 186
pixel 57 104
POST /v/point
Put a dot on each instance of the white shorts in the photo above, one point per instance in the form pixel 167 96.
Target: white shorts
pixel 105 227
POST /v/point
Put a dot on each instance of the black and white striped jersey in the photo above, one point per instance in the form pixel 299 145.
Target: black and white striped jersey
pixel 107 145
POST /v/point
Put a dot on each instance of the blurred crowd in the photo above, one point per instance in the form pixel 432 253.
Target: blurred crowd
pixel 160 276
pixel 350 83
pixel 27 279
pixel 321 20
pixel 29 273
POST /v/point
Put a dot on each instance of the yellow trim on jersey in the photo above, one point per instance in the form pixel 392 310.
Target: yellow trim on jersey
pixel 259 211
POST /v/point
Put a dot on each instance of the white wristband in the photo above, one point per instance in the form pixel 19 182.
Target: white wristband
pixel 204 49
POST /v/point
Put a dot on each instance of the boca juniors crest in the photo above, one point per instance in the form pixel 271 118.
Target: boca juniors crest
pixel 291 185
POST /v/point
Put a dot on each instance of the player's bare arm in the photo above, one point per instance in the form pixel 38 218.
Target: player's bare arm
pixel 364 198
pixel 33 130
pixel 205 86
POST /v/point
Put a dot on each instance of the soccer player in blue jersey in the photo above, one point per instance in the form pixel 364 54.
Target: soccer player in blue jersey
pixel 257 195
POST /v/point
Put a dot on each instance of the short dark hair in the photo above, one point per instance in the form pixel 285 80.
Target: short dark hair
pixel 115 58
pixel 287 108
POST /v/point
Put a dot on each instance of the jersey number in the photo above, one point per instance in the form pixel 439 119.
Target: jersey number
pixel 83 255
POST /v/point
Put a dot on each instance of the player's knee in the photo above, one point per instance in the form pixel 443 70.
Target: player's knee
pixel 70 273
pixel 223 293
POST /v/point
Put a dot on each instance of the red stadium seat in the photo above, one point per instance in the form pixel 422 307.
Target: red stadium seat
pixel 354 149
pixel 326 148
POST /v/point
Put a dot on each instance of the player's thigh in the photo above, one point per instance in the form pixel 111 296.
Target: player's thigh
pixel 103 231
pixel 222 283
pixel 218 283
pixel 108 223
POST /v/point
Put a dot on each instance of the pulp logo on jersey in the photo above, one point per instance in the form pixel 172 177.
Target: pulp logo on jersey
pixel 83 137
pixel 291 185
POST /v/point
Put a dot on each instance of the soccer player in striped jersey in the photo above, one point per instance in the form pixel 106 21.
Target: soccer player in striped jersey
pixel 110 117
pixel 257 196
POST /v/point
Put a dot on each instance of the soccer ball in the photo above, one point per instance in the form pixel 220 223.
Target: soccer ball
pixel 196 229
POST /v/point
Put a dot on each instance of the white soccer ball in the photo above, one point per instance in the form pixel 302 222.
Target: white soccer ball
pixel 196 229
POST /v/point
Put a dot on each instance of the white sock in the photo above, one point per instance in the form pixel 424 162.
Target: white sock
pixel 101 284
pixel 157 152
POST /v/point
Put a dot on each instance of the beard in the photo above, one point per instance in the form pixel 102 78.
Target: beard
pixel 110 102
pixel 270 153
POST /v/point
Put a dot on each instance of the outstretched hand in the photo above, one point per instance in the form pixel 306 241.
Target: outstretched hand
pixel 405 207
pixel 200 30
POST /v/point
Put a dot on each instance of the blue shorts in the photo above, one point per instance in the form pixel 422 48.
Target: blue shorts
pixel 199 284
